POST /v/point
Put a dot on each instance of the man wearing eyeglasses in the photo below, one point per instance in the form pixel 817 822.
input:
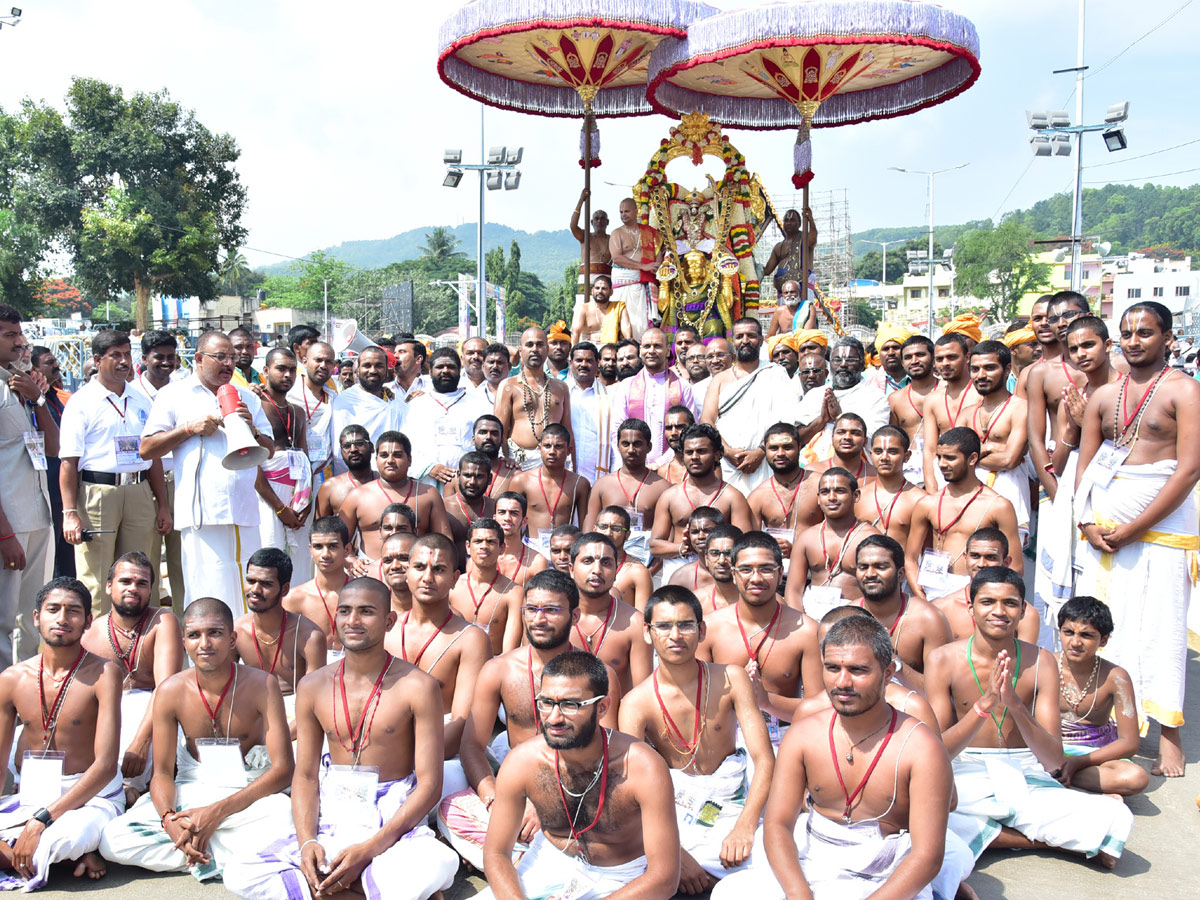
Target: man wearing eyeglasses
pixel 605 801
pixel 690 712
pixel 550 611
pixel 634 582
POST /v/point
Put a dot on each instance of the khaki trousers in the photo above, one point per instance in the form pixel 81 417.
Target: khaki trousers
pixel 128 511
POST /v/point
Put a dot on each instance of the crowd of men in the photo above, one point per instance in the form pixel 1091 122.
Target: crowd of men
pixel 652 615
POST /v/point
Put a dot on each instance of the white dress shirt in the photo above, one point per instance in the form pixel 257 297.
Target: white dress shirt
pixel 206 493
pixel 95 420
pixel 591 422
pixel 354 406
pixel 143 386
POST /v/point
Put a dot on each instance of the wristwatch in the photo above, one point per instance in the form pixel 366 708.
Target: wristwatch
pixel 43 816
pixel 40 401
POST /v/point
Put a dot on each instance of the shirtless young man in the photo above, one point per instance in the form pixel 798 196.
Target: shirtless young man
pixel 393 570
pixel 996 698
pixel 515 557
pixel 562 539
pixel 773 506
pixel 824 553
pixel 361 509
pixel 888 498
pixel 529 401
pixel 489 440
pixel 360 829
pixel 943 521
pixel 356 450
pixel 950 405
pixel 1000 422
pixel 985 547
pixel 79 715
pixel 607 626
pixel 717 558
pixel 595 318
pixel 436 640
pixel 849 449
pixel 145 643
pixel 700 524
pixel 908 404
pixel 619 836
pixel 916 626
pixel 510 681
pixel 483 595
pixel 632 486
pixel 317 600
pixel 633 583
pixel 556 495
pixel 288 646
pixel 691 712
pixel 702 486
pixel 677 420
pixel 596 238
pixel 467 499
pixel 1137 512
pixel 777 645
pixel 216 808
pixel 888 837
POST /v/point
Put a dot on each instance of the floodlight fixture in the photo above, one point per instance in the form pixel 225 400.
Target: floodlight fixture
pixel 1037 120
pixel 1061 144
pixel 453 177
pixel 1104 247
pixel 16 11
pixel 1040 145
pixel 1118 112
pixel 512 156
pixel 495 156
pixel 494 180
pixel 452 157
pixel 1114 139
pixel 1059 118
pixel 512 180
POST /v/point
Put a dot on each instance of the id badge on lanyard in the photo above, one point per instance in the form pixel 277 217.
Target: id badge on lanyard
pixel 348 795
pixel 127 447
pixel 1104 464
pixel 41 777
pixel 221 763
pixel 935 569
pixel 35 446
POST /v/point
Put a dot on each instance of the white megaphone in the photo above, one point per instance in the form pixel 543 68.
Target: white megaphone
pixel 346 339
pixel 244 452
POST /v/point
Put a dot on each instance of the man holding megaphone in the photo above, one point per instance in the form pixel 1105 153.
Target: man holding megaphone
pixel 219 435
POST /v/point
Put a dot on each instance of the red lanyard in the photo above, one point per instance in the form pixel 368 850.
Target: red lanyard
pixel 478 603
pixel 632 500
pixel 709 502
pixel 683 746
pixel 790 506
pixel 886 520
pixel 753 654
pixel 361 736
pixel 1126 421
pixel 962 398
pixel 576 835
pixel 993 420
pixel 851 797
pixel 601 629
pixel 278 645
pixel 900 615
pixel 466 510
pixel 328 614
pixel 940 530
pixel 50 716
pixel 919 413
pixel 832 566
pixel 213 711
pixel 387 496
pixel 520 562
pixel 562 487
pixel 129 660
pixel 285 422
pixel 416 661
pixel 308 413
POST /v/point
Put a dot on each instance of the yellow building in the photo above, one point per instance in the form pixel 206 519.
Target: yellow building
pixel 1096 283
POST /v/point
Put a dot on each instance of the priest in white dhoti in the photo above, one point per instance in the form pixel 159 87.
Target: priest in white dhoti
pixel 441 423
pixel 636 252
pixel 367 402
pixel 851 393
pixel 591 413
pixel 216 509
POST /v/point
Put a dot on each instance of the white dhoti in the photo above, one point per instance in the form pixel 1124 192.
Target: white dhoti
pixel 134 704
pixel 415 867
pixel 628 288
pixel 454 779
pixel 1054 579
pixel 69 837
pixel 1147 585
pixel 707 807
pixel 545 872
pixel 137 838
pixel 839 861
pixel 462 818
pixel 672 564
pixel 998 787
pixel 1013 486
pixel 214 558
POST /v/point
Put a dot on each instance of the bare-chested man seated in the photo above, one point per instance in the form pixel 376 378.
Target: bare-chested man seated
pixel 397 550
pixel 849 453
pixel 604 800
pixel 516 558
pixel 876 783
pixel 950 405
pixel 823 555
pixel 888 498
pixel 69 785
pixel 772 504
pixel 530 400
pixel 363 506
pixel 218 795
pixel 942 521
pixel 440 643
pixel 634 582
pixel 562 539
pixel 598 318
pixel 485 596
pixel 356 451
pixel 145 643
pixel 633 487
pixel 997 699
pixel 985 547
pixel 505 690
pixel 489 440
pixel 286 645
pixel 676 421
pixel 360 820
pixel 700 524
pixel 396 518
pixel 317 600
pixel 717 560
pixel 556 495
pixel 691 712
pixel 467 500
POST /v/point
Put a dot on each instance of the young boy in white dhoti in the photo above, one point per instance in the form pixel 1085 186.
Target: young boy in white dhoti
pixel 69 785
pixel 234 760
pixel 690 712
pixel 359 810
pixel 996 698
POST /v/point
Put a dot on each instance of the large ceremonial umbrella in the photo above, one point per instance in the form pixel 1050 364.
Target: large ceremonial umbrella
pixel 572 58
pixel 814 64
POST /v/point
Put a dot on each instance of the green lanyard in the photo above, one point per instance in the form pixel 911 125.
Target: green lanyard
pixel 999 723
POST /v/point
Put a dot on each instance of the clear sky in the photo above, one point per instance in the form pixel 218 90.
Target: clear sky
pixel 342 119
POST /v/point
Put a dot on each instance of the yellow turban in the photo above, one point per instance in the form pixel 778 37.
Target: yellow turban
pixel 887 332
pixel 812 335
pixel 967 325
pixel 558 332
pixel 1018 337
pixel 788 340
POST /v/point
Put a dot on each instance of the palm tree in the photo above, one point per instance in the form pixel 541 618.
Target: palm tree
pixel 441 246
pixel 234 270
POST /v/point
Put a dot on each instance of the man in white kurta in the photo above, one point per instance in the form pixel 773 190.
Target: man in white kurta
pixel 852 393
pixel 441 422
pixel 314 393
pixel 648 395
pixel 591 413
pixel 216 509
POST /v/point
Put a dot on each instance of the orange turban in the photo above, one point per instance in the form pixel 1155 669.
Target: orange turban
pixel 967 325
pixel 788 340
pixel 1018 337
pixel 888 332
pixel 558 332
pixel 812 335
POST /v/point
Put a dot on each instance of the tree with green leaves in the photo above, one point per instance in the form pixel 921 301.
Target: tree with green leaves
pixel 997 265
pixel 234 272
pixel 441 246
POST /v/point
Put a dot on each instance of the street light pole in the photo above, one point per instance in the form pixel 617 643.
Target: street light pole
pixel 1077 206
pixel 885 245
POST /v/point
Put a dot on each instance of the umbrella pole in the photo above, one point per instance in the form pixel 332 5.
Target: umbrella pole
pixel 587 207
pixel 805 262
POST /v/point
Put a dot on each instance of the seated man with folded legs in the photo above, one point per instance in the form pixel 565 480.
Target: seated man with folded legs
pixel 573 773
pixel 359 809
pixel 690 712
pixel 876 783
pixel 69 785
pixel 996 698
pixel 215 795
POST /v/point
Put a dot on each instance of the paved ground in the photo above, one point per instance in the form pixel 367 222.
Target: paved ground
pixel 1160 851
